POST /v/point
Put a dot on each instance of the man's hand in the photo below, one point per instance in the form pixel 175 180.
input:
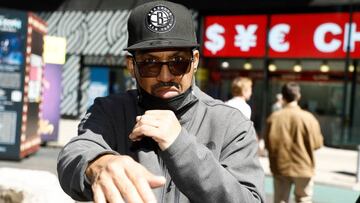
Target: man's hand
pixel 161 125
pixel 118 179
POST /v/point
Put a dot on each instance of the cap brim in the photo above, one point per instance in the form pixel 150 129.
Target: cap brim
pixel 162 44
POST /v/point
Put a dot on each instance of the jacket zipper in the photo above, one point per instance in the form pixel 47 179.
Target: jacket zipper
pixel 165 174
pixel 177 195
pixel 165 189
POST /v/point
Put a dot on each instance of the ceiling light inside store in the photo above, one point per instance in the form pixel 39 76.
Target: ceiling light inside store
pixel 247 65
pixel 324 68
pixel 297 68
pixel 272 67
pixel 225 65
pixel 351 68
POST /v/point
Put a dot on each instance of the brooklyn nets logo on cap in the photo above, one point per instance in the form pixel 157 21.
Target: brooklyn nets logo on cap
pixel 160 19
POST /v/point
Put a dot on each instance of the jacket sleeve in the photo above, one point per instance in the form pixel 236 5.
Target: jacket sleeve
pixel 236 177
pixel 94 135
pixel 316 135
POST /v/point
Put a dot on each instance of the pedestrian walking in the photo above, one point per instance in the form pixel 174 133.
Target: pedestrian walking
pixel 241 89
pixel 292 135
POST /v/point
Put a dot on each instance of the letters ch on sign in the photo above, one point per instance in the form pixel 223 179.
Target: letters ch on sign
pixel 334 44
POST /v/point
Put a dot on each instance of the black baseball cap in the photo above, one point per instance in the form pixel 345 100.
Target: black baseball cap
pixel 159 25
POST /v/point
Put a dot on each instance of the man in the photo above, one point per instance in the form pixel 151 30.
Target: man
pixel 241 89
pixel 292 136
pixel 166 141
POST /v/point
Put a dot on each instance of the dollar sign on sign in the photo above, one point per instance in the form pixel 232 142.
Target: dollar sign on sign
pixel 215 41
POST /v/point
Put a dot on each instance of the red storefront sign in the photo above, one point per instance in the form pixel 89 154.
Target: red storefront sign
pixel 355 36
pixel 233 36
pixel 308 35
pixel 290 36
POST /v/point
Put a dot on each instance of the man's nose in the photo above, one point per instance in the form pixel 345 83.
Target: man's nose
pixel 165 75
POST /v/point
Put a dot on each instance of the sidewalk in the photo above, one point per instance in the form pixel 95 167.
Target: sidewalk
pixel 335 167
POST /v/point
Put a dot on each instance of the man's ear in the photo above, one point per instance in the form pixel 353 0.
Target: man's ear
pixel 130 65
pixel 196 56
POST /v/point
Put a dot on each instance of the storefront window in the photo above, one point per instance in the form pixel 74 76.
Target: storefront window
pixel 222 71
pixel 355 129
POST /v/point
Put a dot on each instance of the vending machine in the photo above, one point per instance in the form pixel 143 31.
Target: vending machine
pixel 21 72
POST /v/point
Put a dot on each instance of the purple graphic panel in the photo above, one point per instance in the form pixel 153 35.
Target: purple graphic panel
pixel 49 124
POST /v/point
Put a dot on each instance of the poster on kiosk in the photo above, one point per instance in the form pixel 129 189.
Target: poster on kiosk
pixel 54 59
pixel 21 72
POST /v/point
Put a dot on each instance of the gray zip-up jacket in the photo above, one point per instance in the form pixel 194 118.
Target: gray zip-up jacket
pixel 214 158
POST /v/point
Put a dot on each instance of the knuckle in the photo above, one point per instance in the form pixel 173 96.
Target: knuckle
pixel 126 160
pixel 94 186
pixel 141 120
pixel 143 128
pixel 111 167
pixel 101 176
pixel 140 177
pixel 114 196
pixel 125 189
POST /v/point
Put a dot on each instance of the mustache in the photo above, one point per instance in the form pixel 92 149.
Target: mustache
pixel 164 84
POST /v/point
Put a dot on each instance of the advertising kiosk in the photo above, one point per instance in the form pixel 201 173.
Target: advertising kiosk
pixel 21 72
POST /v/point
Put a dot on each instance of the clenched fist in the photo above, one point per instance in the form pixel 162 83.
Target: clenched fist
pixel 161 125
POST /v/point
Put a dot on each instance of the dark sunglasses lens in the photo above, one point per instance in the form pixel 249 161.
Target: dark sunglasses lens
pixel 147 69
pixel 153 69
pixel 179 67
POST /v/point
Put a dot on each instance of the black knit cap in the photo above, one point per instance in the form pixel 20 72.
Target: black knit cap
pixel 160 24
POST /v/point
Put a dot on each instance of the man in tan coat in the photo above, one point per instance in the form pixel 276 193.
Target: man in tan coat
pixel 291 137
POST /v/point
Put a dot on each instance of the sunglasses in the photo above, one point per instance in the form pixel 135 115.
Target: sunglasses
pixel 152 68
